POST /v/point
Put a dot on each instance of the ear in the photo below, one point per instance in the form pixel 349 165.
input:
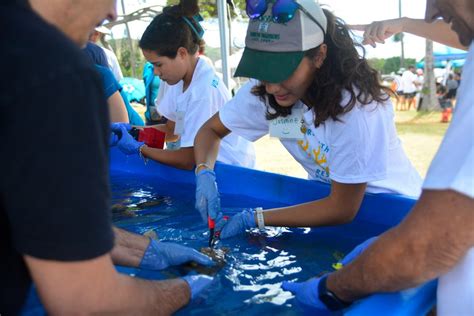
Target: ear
pixel 182 52
pixel 320 56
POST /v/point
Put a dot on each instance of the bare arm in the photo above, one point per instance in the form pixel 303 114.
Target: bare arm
pixel 182 158
pixel 340 207
pixel 117 109
pixel 129 248
pixel 208 138
pixel 438 31
pixel 94 287
pixel 431 240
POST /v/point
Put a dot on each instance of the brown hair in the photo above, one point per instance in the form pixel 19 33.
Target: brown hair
pixel 169 30
pixel 343 69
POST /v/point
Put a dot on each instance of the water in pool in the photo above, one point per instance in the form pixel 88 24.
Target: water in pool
pixel 256 265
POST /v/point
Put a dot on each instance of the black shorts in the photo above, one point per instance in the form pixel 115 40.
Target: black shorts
pixel 451 94
pixel 409 95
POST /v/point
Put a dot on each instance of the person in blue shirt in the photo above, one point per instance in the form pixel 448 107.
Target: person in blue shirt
pixel 120 109
pixel 152 85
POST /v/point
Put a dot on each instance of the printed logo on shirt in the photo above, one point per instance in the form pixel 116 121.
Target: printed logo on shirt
pixel 318 156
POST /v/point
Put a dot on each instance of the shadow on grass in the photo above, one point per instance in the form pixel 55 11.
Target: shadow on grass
pixel 422 122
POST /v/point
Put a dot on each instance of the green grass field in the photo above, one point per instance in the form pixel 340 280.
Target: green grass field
pixel 421 134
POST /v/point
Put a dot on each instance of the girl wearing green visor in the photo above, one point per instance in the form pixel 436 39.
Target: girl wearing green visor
pixel 315 92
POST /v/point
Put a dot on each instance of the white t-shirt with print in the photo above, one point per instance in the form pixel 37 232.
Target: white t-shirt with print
pixel 453 168
pixel 408 81
pixel 201 100
pixel 362 147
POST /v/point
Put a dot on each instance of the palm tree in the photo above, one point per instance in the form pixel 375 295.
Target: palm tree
pixel 430 100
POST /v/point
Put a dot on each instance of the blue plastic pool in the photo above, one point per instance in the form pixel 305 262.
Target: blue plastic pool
pixel 249 283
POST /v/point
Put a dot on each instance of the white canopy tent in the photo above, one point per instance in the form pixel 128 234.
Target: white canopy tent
pixel 224 39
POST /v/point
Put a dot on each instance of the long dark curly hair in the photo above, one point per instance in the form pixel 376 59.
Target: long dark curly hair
pixel 343 69
pixel 169 30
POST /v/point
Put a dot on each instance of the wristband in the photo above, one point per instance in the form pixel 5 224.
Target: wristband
pixel 201 165
pixel 329 298
pixel 260 219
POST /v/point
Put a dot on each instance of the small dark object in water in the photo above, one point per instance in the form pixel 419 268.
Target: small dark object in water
pixel 216 254
pixel 128 209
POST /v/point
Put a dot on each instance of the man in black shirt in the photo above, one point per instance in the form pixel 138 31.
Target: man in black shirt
pixel 55 225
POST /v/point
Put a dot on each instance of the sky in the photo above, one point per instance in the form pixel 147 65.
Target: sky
pixel 351 11
pixel 366 11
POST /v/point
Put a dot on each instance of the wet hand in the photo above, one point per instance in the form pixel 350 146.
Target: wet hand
pixel 306 293
pixel 357 251
pixel 208 202
pixel 127 144
pixel 161 255
pixel 237 224
pixel 197 283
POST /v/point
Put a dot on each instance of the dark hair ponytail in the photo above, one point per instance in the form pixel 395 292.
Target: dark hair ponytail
pixel 172 29
pixel 342 70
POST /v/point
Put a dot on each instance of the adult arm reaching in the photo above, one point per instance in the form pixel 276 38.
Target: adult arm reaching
pixel 438 31
pixel 139 251
pixel 94 287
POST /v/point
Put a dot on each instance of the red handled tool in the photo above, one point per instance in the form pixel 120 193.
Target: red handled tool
pixel 212 225
pixel 213 234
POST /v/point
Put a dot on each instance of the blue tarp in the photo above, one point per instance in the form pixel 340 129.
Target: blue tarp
pixel 133 88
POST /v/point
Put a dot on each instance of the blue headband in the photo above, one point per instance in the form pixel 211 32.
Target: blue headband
pixel 197 18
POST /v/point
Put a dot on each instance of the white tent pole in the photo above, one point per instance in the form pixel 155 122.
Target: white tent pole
pixel 224 39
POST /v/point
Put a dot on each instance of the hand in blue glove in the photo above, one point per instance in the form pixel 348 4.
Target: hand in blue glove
pixel 127 144
pixel 113 139
pixel 116 132
pixel 357 251
pixel 115 127
pixel 197 283
pixel 208 202
pixel 160 255
pixel 306 293
pixel 236 225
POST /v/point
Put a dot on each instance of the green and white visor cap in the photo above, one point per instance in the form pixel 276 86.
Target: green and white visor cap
pixel 273 50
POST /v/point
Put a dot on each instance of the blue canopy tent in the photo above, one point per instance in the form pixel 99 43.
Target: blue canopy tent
pixel 443 54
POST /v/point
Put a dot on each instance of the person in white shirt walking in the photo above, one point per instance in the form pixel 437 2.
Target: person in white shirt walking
pixel 410 83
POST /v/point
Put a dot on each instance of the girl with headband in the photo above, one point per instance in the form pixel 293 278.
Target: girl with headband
pixel 194 91
pixel 313 90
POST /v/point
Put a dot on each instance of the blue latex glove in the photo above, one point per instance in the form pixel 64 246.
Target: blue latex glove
pixel 208 202
pixel 160 255
pixel 127 144
pixel 113 139
pixel 306 293
pixel 237 224
pixel 116 127
pixel 357 251
pixel 197 283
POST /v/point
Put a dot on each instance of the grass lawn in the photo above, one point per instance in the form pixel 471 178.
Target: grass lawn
pixel 421 134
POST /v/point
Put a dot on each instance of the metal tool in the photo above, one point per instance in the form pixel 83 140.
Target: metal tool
pixel 212 238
